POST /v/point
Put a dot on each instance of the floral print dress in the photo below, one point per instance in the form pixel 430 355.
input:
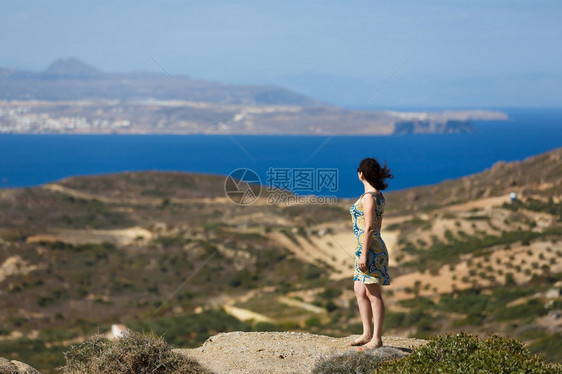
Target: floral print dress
pixel 377 258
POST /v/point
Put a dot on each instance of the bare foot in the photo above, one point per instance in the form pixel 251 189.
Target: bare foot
pixel 370 346
pixel 359 341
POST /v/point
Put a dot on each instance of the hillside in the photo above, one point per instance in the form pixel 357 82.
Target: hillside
pixel 168 252
pixel 539 176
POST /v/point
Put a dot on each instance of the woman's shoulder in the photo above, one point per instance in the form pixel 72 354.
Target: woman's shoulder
pixel 376 195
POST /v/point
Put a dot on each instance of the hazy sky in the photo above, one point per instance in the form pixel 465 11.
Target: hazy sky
pixel 465 53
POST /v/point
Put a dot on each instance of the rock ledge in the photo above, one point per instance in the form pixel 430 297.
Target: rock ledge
pixel 280 352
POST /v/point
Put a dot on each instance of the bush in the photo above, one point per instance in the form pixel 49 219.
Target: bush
pixel 395 320
pixel 533 308
pixel 549 346
pixel 465 353
pixel 330 293
pixel 136 353
pixel 244 278
pixel 265 326
pixel 190 329
pixel 313 322
pixel 33 352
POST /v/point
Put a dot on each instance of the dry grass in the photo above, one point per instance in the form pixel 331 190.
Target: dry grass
pixel 134 354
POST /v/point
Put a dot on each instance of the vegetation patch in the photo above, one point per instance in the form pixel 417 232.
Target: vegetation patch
pixel 133 354
pixel 477 305
pixel 350 362
pixel 549 206
pixel 549 347
pixel 34 352
pixel 440 252
pixel 533 308
pixel 190 329
pixel 465 353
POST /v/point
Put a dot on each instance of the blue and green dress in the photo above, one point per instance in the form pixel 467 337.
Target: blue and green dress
pixel 377 258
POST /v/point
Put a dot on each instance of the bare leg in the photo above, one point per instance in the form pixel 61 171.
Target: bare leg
pixel 366 312
pixel 374 294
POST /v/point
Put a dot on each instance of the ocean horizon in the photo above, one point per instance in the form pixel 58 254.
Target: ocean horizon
pixel 415 160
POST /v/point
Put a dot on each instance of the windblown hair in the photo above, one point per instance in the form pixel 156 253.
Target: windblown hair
pixel 374 173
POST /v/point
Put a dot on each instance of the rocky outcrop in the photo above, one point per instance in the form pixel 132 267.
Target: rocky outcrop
pixel 15 367
pixel 282 352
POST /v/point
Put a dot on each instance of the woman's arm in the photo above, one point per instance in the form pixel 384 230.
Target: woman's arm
pixel 369 213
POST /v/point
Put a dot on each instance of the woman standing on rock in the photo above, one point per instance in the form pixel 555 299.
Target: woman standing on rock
pixel 371 256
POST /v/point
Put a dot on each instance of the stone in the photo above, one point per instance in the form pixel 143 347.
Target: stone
pixel 553 293
pixel 24 368
pixel 15 367
pixel 6 367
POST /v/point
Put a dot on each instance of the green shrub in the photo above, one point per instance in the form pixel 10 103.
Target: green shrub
pixel 287 325
pixel 478 218
pixel 244 278
pixel 531 309
pixel 311 271
pixel 33 352
pixel 394 320
pixel 265 326
pixel 55 296
pixel 538 206
pixel 287 232
pixel 470 320
pixel 469 301
pixel 313 322
pixel 393 227
pixel 549 346
pixel 172 241
pixel 136 353
pixel 330 293
pixel 189 329
pixel 465 353
pixel 477 305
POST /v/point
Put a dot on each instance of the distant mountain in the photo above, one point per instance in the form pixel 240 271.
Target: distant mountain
pixel 72 79
pixel 71 67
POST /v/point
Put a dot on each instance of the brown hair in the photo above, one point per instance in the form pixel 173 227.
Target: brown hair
pixel 374 173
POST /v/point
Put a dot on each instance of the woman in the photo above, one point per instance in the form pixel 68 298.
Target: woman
pixel 371 256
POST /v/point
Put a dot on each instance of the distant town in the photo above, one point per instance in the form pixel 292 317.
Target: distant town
pixel 173 117
pixel 19 118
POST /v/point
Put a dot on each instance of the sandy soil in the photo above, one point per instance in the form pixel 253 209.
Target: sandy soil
pixel 479 204
pixel 14 265
pixel 77 237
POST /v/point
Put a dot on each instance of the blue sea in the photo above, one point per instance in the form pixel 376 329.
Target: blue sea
pixel 30 160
